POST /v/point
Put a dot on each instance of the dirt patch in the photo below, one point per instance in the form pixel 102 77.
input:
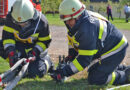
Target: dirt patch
pixel 59 42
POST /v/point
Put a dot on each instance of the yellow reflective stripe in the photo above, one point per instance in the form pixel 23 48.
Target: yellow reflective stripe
pixel 70 40
pixel 44 38
pixel 117 46
pixel 8 41
pixel 42 45
pixel 101 29
pixel 87 52
pixel 113 78
pixel 74 41
pixel 35 35
pixel 77 65
pixel 27 50
pixel 9 29
pixel 1 58
pixel 69 43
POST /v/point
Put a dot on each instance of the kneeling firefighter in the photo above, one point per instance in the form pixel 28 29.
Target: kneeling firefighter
pixel 95 43
pixel 26 34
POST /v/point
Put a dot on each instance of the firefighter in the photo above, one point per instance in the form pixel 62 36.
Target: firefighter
pixel 26 34
pixel 94 43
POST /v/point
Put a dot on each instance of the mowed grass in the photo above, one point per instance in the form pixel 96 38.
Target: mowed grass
pixel 54 20
pixel 75 82
pixel 119 23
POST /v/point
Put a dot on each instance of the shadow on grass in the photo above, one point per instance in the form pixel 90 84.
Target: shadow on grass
pixel 81 84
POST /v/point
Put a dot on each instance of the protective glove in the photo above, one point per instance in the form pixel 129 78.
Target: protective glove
pixel 33 53
pixel 67 59
pixel 13 58
pixel 58 76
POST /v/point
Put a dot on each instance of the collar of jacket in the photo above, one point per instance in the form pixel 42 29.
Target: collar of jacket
pixel 73 30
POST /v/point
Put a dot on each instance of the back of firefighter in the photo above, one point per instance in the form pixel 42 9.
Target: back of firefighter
pixel 26 34
pixel 93 42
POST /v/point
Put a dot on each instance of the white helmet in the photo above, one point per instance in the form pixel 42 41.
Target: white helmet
pixel 23 10
pixel 71 9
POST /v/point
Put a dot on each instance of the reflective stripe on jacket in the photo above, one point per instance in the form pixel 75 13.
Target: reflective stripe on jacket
pixel 41 38
pixel 93 37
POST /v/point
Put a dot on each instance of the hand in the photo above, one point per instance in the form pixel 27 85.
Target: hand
pixel 32 54
pixel 13 58
pixel 57 76
pixel 67 59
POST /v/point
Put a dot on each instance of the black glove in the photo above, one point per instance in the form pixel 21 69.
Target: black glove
pixel 33 53
pixel 13 58
pixel 67 59
pixel 58 76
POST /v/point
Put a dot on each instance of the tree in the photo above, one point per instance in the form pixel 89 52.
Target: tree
pixel 125 1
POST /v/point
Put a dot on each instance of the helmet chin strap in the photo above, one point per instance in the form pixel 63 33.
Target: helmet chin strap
pixel 37 23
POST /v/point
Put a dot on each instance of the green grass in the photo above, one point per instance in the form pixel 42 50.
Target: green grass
pixel 3 65
pixel 119 23
pixel 54 20
pixel 76 82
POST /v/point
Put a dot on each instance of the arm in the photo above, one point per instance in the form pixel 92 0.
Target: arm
pixel 43 40
pixel 72 53
pixel 86 50
pixel 9 41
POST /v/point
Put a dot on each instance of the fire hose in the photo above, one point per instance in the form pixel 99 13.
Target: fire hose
pixel 10 78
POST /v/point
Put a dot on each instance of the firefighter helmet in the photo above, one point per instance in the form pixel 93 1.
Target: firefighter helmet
pixel 71 9
pixel 23 10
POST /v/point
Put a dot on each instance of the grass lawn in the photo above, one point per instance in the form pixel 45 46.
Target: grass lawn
pixel 54 20
pixel 75 82
pixel 119 23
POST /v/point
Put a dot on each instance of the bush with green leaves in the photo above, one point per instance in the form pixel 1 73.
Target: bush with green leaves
pixel 52 6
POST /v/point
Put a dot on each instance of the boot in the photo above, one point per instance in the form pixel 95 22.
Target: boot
pixel 127 73
pixel 123 67
pixel 51 69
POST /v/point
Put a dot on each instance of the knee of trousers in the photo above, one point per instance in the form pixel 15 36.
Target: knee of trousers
pixel 48 61
pixel 37 68
pixel 95 79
